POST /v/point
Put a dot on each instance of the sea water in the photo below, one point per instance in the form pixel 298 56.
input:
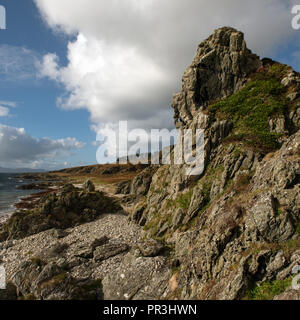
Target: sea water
pixel 9 194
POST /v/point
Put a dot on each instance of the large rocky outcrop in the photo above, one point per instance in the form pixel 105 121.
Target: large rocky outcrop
pixel 220 68
pixel 235 227
pixel 60 210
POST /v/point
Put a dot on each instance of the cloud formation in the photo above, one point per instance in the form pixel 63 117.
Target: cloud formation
pixel 129 55
pixel 19 149
pixel 4 111
pixel 17 63
pixel 111 81
pixel 4 107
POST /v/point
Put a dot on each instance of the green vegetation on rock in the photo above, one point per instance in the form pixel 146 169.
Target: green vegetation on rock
pixel 184 200
pixel 253 106
pixel 268 290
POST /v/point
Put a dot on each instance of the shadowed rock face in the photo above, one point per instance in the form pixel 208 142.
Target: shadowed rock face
pixel 38 280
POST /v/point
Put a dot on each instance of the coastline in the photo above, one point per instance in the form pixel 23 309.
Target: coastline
pixel 29 201
pixel 5 216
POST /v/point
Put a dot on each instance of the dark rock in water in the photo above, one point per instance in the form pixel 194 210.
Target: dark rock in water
pixel 89 186
pixel 36 186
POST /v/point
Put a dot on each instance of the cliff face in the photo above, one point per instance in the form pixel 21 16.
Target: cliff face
pixel 236 226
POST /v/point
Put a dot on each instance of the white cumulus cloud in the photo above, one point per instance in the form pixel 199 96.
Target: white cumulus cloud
pixel 113 82
pixel 129 55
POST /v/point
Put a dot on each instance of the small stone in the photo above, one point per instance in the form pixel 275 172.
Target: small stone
pixel 85 252
pixel 109 250
pixel 150 248
pixel 99 242
pixel 59 233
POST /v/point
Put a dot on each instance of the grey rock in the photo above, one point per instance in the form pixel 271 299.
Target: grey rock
pixel 150 248
pixel 123 187
pixel 89 186
pixel 99 242
pixel 50 282
pixel 137 278
pixel 59 233
pixel 220 68
pixel 277 263
pixel 289 294
pixel 232 224
pixel 178 218
pixel 263 217
pixel 109 250
pixel 85 252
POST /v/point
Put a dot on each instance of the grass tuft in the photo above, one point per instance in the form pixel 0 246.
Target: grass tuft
pixel 268 290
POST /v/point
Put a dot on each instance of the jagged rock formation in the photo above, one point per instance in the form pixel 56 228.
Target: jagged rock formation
pixel 220 68
pixel 139 186
pixel 236 226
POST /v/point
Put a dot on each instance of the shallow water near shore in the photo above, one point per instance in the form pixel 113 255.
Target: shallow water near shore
pixel 9 194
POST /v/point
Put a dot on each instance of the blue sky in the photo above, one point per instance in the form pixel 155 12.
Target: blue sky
pixel 71 68
pixel 36 109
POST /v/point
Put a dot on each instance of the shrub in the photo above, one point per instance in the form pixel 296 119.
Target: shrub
pixel 268 290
